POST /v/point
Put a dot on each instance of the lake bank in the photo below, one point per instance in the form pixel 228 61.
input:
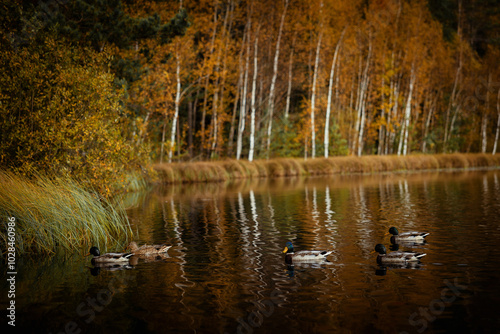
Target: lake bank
pixel 226 170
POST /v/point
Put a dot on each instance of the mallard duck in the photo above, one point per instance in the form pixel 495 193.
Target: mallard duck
pixel 395 257
pixel 108 257
pixel 304 255
pixel 406 237
pixel 147 249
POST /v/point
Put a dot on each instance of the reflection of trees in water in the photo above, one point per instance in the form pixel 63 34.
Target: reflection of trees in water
pixel 237 237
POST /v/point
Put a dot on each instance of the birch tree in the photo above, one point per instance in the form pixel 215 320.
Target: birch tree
pixel 363 88
pixel 270 106
pixel 254 89
pixel 289 90
pixel 241 127
pixel 177 103
pixel 484 122
pixel 330 89
pixel 406 122
pixel 313 93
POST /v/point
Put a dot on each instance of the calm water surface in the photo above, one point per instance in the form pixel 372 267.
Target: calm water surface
pixel 225 272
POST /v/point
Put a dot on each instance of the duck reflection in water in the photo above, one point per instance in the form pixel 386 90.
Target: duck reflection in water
pixel 96 270
pixel 396 247
pixel 381 270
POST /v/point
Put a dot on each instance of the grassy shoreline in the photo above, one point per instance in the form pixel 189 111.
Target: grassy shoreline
pixel 227 170
pixel 53 214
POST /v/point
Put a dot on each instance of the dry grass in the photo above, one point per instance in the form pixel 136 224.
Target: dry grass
pixel 236 169
pixel 58 214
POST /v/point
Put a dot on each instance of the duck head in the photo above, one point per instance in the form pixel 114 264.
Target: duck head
pixel 94 251
pixel 133 246
pixel 393 231
pixel 288 248
pixel 380 249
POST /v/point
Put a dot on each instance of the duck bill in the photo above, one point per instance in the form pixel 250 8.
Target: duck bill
pixel 387 233
pixel 285 250
pixel 87 255
pixel 373 252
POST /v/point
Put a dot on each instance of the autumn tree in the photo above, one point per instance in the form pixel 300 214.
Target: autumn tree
pixel 61 115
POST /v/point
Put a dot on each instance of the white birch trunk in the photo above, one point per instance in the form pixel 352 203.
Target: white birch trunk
pixel 289 90
pixel 313 96
pixel 403 126
pixel 254 89
pixel 358 105
pixel 241 127
pixel 381 134
pixel 363 118
pixel 362 100
pixel 176 114
pixel 351 105
pixel 484 142
pixel 329 103
pixel 484 123
pixel 408 113
pixel 273 81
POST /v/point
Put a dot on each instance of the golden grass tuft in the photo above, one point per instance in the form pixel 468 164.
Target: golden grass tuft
pixel 58 214
pixel 455 160
pixel 234 168
pixel 275 168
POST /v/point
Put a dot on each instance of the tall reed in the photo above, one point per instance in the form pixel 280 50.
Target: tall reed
pixel 53 214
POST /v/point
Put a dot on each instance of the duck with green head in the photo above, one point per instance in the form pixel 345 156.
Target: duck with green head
pixel 304 255
pixel 406 237
pixel 396 258
pixel 108 257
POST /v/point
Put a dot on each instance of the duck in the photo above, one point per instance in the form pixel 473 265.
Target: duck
pixel 108 257
pixel 406 237
pixel 305 255
pixel 147 249
pixel 396 258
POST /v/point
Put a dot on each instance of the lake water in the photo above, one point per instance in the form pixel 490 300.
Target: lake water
pixel 226 273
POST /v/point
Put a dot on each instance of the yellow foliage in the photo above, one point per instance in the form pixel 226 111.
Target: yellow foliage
pixel 61 115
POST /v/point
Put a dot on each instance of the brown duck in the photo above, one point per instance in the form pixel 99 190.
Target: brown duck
pixel 147 249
